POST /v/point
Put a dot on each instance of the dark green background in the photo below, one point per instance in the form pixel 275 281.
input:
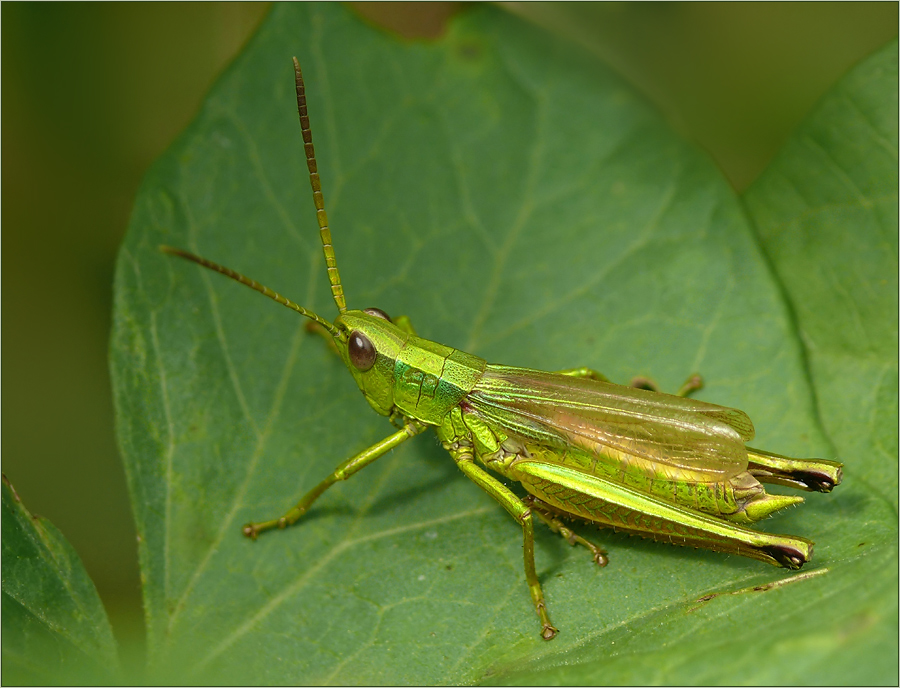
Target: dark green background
pixel 92 94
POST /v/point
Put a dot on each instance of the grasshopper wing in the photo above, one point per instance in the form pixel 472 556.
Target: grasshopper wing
pixel 659 434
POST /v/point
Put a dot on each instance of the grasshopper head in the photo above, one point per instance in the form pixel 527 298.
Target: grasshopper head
pixel 369 343
pixel 367 340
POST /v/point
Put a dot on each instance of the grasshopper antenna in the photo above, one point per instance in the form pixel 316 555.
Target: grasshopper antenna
pixel 253 284
pixel 337 290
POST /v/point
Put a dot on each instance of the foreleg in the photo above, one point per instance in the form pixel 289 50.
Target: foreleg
pixel 342 472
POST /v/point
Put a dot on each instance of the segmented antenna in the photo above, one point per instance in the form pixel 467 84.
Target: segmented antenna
pixel 337 291
pixel 253 284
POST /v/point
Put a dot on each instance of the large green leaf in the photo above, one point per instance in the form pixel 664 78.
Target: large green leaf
pixel 518 202
pixel 55 629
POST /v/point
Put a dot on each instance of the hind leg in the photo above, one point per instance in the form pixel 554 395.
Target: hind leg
pixel 547 515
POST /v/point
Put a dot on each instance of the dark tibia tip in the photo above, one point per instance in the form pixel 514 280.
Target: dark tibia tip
pixel 823 481
pixel 817 475
pixel 790 557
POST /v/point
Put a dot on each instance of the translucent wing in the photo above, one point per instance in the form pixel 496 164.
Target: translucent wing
pixel 660 434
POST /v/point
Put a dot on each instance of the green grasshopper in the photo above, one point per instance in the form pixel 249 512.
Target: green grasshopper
pixel 657 465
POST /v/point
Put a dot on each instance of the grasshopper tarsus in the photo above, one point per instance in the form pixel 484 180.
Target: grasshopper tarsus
pixel 598 555
pixel 641 382
pixel 549 632
pixel 252 530
pixel 693 384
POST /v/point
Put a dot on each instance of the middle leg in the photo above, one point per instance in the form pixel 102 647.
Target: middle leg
pixel 522 513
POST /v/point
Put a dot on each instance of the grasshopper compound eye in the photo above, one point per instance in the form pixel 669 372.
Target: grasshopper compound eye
pixel 362 352
pixel 378 313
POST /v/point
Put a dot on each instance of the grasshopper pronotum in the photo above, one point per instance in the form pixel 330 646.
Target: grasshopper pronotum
pixel 658 465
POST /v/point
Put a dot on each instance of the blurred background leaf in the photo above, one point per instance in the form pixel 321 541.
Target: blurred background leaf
pixel 734 77
pixel 91 96
pixel 80 138
pixel 55 631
